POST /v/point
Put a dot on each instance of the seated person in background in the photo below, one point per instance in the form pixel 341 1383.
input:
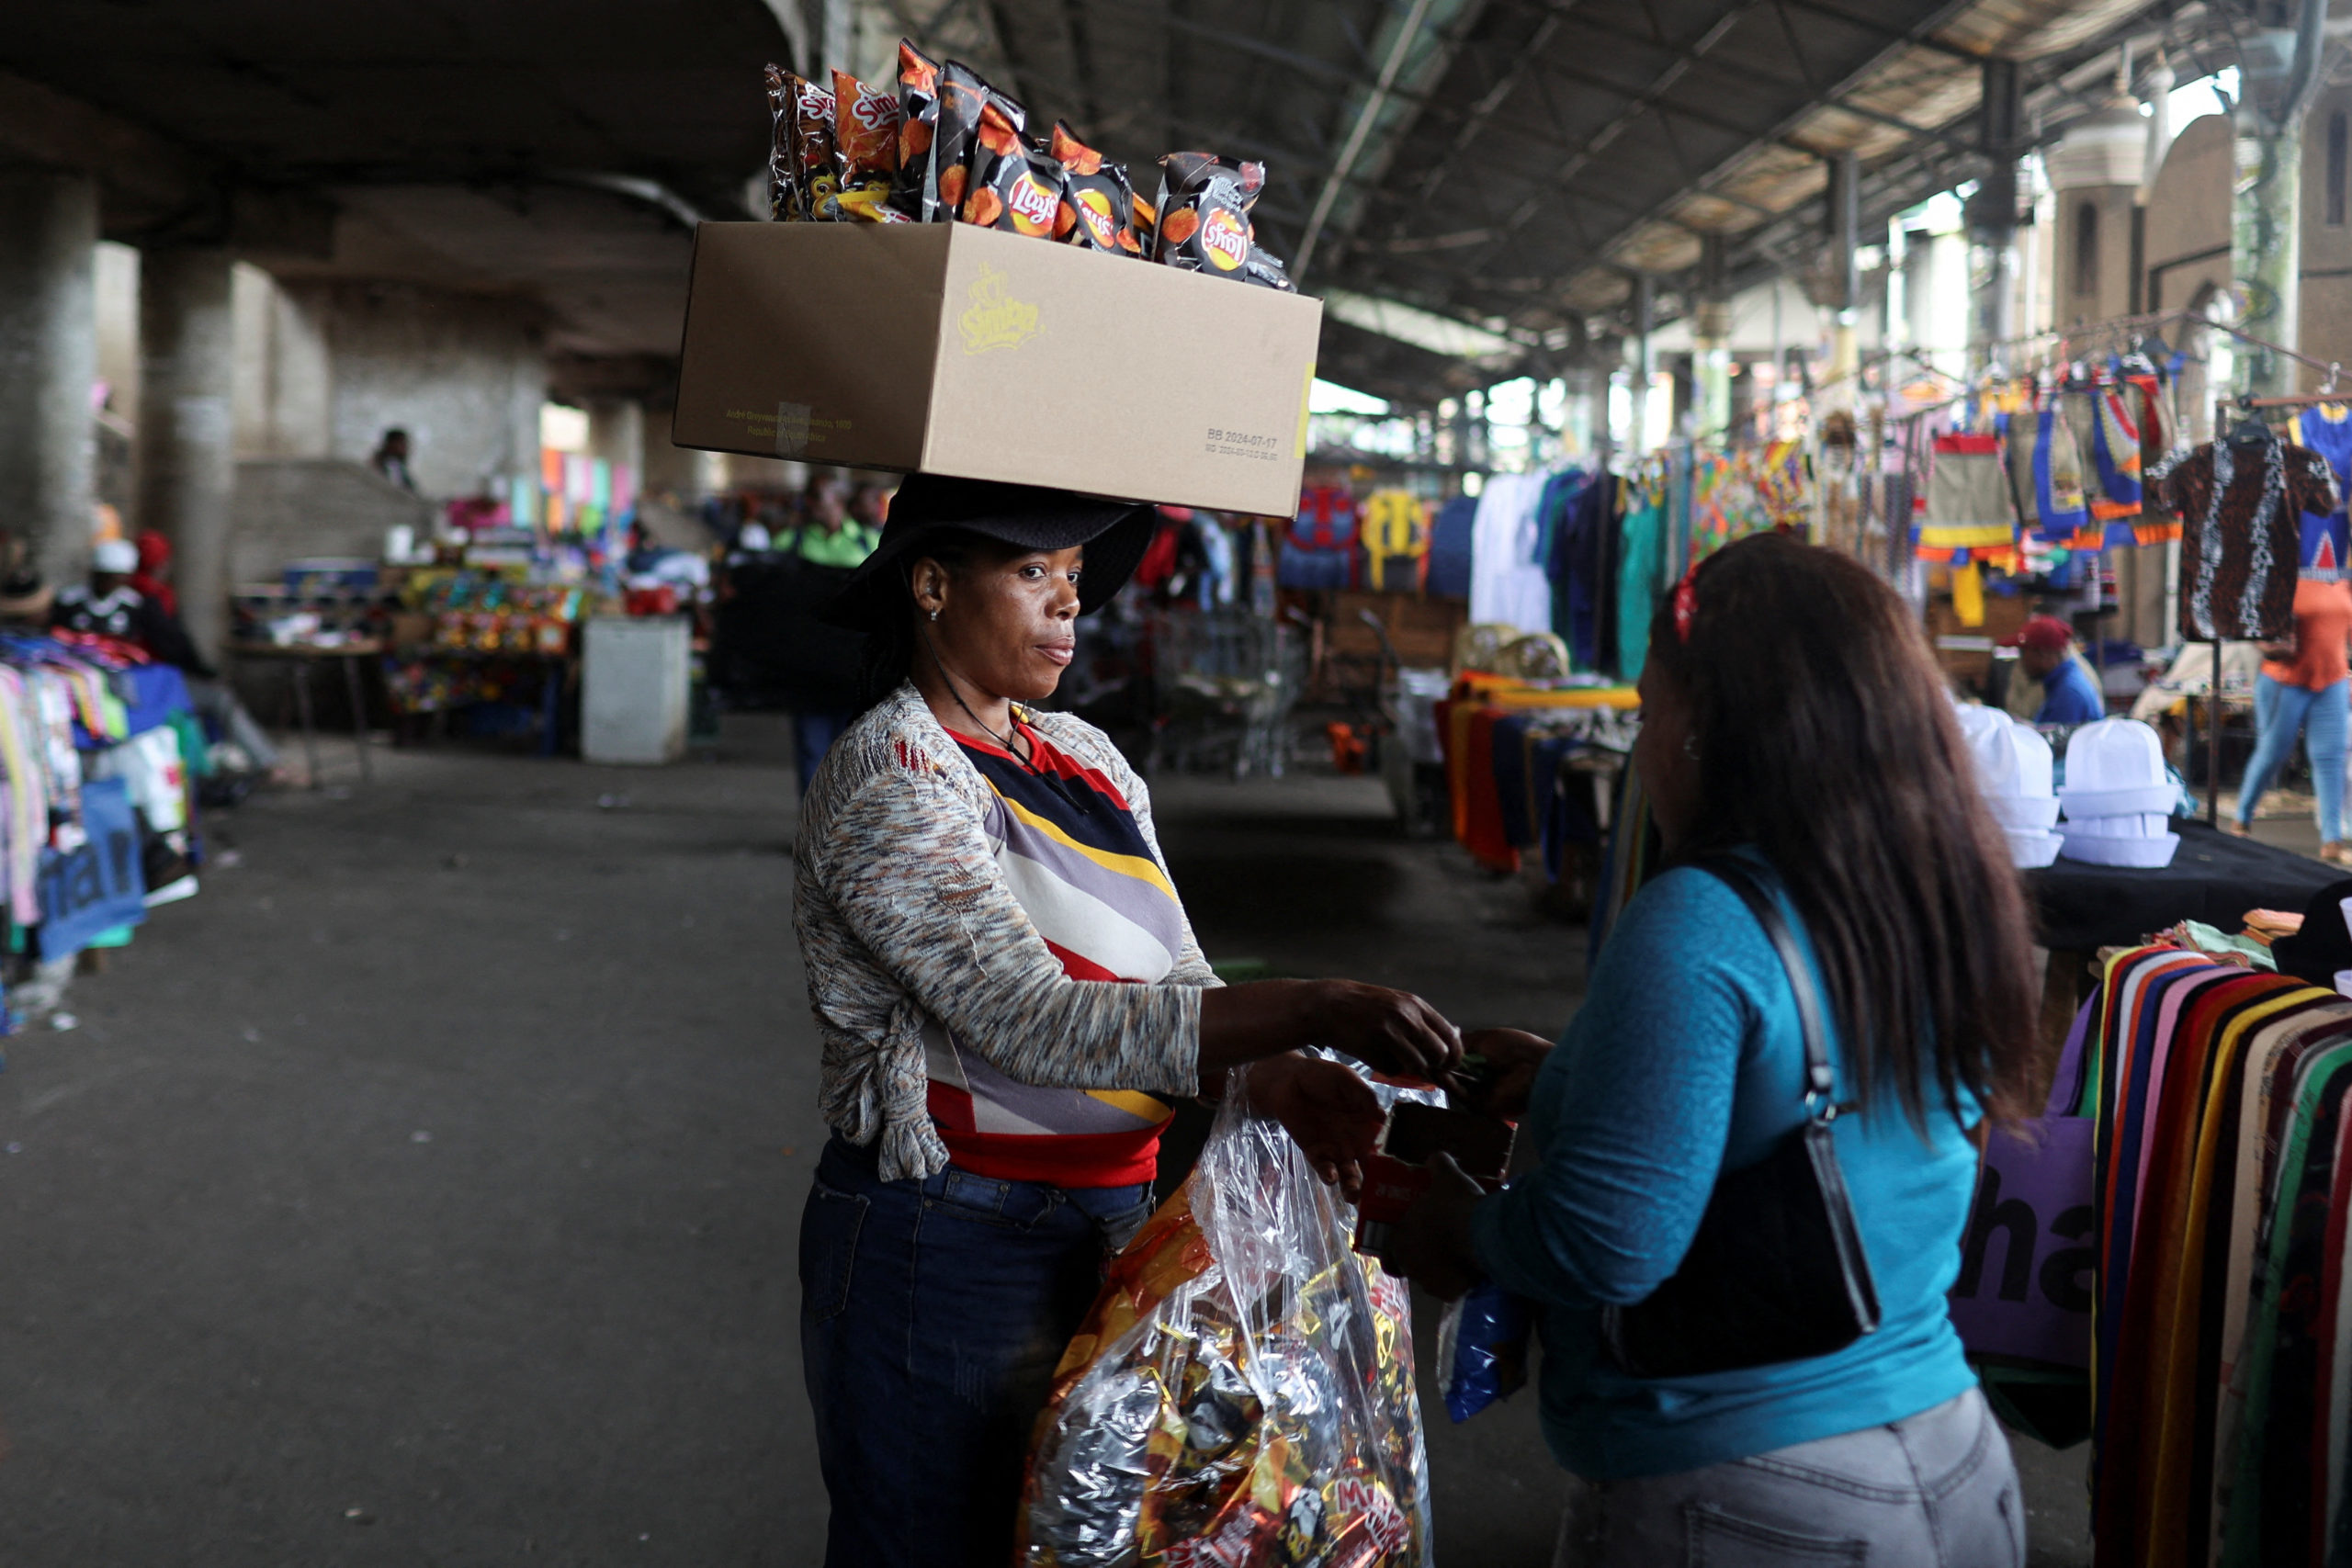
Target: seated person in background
pixel 2070 693
pixel 109 606
pixel 829 534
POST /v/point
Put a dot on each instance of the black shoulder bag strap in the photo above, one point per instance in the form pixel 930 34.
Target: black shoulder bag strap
pixel 1776 1271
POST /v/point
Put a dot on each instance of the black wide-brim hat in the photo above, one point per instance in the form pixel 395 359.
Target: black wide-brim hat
pixel 1116 533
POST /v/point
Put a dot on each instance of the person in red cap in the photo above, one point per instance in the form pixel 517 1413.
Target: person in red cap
pixel 2045 647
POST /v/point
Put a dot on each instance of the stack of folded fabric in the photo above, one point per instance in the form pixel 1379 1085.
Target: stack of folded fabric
pixel 2013 769
pixel 2118 796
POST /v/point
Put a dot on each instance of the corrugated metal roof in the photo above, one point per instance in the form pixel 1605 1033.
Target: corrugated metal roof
pixel 1544 149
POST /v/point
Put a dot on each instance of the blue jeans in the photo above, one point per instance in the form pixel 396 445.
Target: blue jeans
pixel 813 735
pixel 933 1314
pixel 2280 711
pixel 1935 1490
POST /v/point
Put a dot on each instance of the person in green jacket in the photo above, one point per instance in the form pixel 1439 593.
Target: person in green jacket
pixel 829 534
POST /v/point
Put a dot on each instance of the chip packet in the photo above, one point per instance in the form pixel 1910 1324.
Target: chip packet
pixel 866 129
pixel 1014 186
pixel 954 147
pixel 915 192
pixel 1098 205
pixel 1204 212
pixel 865 140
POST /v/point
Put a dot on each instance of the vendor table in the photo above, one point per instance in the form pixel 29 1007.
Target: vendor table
pixel 2214 877
pixel 298 657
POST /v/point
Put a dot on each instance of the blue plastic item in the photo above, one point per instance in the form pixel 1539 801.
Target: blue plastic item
pixel 1482 1345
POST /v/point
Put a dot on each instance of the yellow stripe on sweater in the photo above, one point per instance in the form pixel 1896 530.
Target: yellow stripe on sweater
pixel 1140 1106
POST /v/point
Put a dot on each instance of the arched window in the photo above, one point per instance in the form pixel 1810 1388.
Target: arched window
pixel 2336 170
pixel 2087 248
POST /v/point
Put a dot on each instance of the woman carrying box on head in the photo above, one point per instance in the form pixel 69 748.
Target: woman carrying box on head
pixel 1008 992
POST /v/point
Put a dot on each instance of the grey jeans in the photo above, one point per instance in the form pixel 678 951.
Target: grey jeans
pixel 1937 1490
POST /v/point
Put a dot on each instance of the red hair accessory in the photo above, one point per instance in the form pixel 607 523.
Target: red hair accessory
pixel 1686 602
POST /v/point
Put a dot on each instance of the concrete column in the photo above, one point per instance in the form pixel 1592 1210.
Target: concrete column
pixel 49 359
pixel 187 464
pixel 1993 217
pixel 2279 76
pixel 1843 388
pixel 1645 361
pixel 616 432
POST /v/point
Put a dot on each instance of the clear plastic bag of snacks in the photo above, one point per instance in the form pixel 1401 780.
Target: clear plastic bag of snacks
pixel 1242 1396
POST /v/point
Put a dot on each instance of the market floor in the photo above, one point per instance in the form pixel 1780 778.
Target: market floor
pixel 424 1192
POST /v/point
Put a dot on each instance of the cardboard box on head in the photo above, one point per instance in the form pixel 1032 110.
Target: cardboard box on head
pixel 986 355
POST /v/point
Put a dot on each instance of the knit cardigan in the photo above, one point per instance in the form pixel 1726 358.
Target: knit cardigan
pixel 905 918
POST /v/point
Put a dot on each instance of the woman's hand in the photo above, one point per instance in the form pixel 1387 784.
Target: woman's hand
pixel 1514 1056
pixel 1394 1032
pixel 1431 1245
pixel 1330 1113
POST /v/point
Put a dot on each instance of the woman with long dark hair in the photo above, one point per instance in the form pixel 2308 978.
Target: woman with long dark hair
pixel 1795 737
pixel 1009 995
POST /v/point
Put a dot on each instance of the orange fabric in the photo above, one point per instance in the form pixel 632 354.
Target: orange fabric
pixel 2322 624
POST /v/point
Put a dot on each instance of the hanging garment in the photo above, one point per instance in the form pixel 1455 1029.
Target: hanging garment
pixel 2046 470
pixel 2266 1518
pixel 1641 579
pixel 1507 583
pixel 1319 550
pixel 1449 548
pixel 2326 430
pixel 2243 505
pixel 1573 521
pixel 1969 505
pixel 2115 453
pixel 2151 404
pixel 1395 532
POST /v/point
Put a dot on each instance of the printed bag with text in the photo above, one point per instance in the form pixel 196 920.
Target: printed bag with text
pixel 2024 1286
pixel 1241 1395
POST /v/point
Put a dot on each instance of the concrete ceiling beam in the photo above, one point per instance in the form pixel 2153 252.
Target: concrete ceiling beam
pixel 151 188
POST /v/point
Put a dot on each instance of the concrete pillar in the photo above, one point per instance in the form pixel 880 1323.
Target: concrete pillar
pixel 2280 76
pixel 1993 217
pixel 616 432
pixel 1711 340
pixel 1645 361
pixel 49 358
pixel 1843 386
pixel 187 464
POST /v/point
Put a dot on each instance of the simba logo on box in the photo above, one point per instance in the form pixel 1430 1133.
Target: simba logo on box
pixel 993 319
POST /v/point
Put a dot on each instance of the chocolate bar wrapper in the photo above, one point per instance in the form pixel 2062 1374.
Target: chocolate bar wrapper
pixel 783 174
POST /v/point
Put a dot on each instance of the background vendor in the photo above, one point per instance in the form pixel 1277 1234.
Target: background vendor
pixel 2070 690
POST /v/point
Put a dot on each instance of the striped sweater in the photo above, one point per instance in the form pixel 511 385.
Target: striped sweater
pixel 905 920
